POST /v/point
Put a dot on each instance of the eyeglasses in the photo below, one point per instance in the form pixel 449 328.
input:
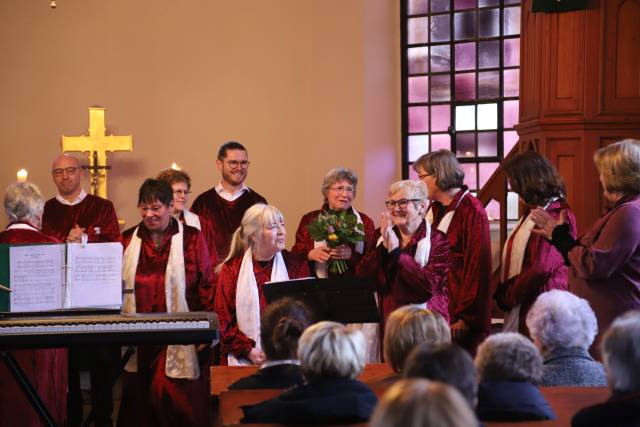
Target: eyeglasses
pixel 402 203
pixel 348 190
pixel 69 171
pixel 424 175
pixel 238 163
pixel 182 192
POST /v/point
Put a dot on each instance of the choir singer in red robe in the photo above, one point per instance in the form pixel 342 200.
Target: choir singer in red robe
pixel 339 188
pixel 459 215
pixel 256 256
pixel 530 264
pixel 167 264
pixel 73 212
pixel 224 205
pixel 180 183
pixel 411 260
pixel 45 369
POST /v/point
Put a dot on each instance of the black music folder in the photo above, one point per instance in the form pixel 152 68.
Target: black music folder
pixel 344 299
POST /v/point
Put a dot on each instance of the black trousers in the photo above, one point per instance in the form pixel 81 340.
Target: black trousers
pixel 102 363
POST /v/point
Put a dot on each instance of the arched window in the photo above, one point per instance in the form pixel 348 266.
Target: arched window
pixel 460 78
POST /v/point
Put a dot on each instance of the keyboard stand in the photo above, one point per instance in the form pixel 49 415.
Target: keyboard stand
pixel 123 362
pixel 27 387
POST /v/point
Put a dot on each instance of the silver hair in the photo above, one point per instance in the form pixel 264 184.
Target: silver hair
pixel 339 174
pixel 559 319
pixel 412 190
pixel 330 349
pixel 23 201
pixel 508 356
pixel 246 236
pixel 621 352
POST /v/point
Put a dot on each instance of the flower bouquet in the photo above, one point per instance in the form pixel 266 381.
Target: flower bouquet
pixel 337 228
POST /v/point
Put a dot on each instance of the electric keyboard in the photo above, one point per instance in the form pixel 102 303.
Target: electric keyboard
pixel 64 329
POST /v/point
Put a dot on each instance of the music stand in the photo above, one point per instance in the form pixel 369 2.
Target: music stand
pixel 344 299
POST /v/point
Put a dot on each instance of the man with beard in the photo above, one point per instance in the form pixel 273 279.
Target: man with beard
pixel 224 205
pixel 67 217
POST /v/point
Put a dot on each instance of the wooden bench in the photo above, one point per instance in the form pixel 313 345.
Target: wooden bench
pixel 565 401
pixel 223 376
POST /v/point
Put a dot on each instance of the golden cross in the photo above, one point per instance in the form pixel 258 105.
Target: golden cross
pixel 97 144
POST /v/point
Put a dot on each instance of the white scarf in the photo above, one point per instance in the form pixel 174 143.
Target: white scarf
pixel 422 251
pixel 191 219
pixel 446 220
pixel 321 268
pixel 518 248
pixel 181 360
pixel 248 302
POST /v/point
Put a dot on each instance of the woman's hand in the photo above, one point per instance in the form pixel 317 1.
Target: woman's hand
pixel 545 223
pixel 257 357
pixel 341 252
pixel 319 254
pixel 389 238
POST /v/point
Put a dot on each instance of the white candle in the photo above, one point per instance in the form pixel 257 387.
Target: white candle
pixel 22 175
pixel 175 166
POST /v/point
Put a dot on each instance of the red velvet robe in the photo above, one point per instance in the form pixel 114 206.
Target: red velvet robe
pixel 209 236
pixel 224 217
pixel 233 340
pixel 149 397
pixel 470 273
pixel 45 369
pixel 58 219
pixel 400 279
pixel 304 241
pixel 543 269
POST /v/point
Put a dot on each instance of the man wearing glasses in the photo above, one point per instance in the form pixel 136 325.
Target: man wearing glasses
pixel 69 216
pixel 224 205
pixel 74 213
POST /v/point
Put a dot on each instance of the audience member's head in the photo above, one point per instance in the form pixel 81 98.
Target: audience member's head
pixel 447 363
pixel 508 356
pixel 559 319
pixel 281 326
pixel 621 352
pixel 331 350
pixel 419 402
pixel 23 201
pixel 409 326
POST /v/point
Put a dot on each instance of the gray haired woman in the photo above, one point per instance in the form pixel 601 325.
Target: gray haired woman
pixel 339 188
pixel 563 326
pixel 604 264
pixel 509 367
pixel 621 354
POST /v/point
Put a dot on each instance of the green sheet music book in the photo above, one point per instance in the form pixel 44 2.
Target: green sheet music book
pixel 60 276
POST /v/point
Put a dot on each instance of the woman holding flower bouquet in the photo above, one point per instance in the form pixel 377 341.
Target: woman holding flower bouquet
pixel 256 256
pixel 411 261
pixel 335 237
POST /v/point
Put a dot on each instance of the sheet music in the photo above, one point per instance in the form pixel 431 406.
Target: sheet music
pixel 94 275
pixel 36 277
